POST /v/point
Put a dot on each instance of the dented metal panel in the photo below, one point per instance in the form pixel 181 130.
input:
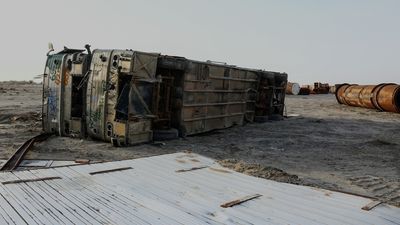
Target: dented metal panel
pixel 52 92
pixel 96 94
pixel 180 188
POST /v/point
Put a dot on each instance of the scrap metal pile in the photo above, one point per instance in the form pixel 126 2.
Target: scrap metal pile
pixel 383 97
pixel 317 88
pixel 128 97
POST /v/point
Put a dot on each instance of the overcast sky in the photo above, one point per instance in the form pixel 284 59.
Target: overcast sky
pixel 312 40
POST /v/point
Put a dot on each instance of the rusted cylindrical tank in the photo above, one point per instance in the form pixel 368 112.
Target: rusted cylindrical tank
pixel 384 97
pixel 292 88
pixel 387 97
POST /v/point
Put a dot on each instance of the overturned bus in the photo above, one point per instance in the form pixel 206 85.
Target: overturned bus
pixel 128 97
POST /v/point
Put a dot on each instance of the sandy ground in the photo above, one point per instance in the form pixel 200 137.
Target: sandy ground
pixel 326 145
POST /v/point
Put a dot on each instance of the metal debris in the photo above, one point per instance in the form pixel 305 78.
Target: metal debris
pixel 19 154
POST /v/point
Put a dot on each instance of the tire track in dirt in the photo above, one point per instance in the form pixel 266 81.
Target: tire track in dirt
pixel 384 190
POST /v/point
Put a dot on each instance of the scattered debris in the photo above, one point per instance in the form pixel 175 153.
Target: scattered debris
pixel 191 169
pixel 240 201
pixel 29 180
pixel 29 116
pixel 371 205
pixel 110 170
pixel 82 161
pixel 304 90
pixel 320 88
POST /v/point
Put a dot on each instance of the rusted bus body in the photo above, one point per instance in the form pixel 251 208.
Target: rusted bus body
pixel 383 97
pixel 125 95
pixel 63 101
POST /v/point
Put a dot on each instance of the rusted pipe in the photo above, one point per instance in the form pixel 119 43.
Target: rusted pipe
pixel 384 97
pixel 387 97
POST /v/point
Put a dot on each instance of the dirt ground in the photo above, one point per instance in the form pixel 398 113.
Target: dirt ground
pixel 325 145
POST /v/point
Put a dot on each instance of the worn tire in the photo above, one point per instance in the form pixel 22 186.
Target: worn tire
pixel 182 131
pixel 261 119
pixel 163 135
pixel 275 117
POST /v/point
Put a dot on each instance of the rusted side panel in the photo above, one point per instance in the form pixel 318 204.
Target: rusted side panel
pixel 216 97
pixel 52 90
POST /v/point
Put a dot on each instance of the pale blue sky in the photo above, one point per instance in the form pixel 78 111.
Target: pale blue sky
pixel 330 41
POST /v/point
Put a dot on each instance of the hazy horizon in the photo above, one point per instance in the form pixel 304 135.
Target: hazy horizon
pixel 327 41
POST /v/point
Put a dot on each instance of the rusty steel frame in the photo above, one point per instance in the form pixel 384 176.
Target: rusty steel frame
pixel 14 161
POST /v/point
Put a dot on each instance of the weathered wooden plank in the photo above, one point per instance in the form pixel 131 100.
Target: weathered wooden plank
pixel 29 180
pixel 371 205
pixel 191 169
pixel 110 170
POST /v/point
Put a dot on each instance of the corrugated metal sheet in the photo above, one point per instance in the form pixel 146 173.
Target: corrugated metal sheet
pixel 179 188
